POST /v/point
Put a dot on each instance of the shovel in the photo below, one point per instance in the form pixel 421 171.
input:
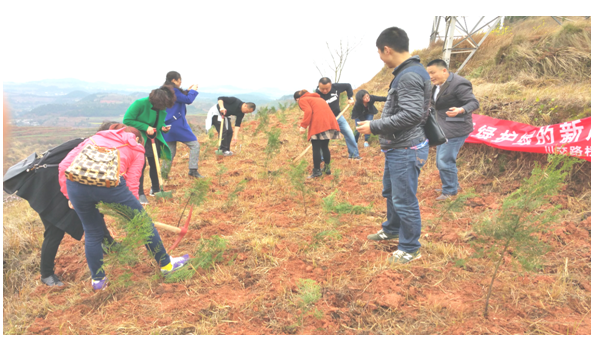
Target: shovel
pixel 161 194
pixel 179 231
pixel 219 153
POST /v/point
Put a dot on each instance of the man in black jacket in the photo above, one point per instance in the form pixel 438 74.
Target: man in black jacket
pixel 453 100
pixel 226 107
pixel 330 92
pixel 403 142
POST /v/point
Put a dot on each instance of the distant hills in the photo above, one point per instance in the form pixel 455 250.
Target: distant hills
pixel 37 102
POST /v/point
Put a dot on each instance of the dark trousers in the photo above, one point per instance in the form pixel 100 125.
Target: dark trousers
pixel 52 237
pixel 320 146
pixel 154 175
pixel 84 198
pixel 227 132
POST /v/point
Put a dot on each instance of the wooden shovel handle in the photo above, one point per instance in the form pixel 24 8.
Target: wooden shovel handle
pixel 167 227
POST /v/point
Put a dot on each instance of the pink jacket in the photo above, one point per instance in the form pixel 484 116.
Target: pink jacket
pixel 131 157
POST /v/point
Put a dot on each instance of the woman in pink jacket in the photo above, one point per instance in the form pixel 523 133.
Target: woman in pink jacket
pixel 84 198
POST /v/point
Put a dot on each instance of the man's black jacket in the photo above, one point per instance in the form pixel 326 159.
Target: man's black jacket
pixel 333 96
pixel 233 108
pixel 406 109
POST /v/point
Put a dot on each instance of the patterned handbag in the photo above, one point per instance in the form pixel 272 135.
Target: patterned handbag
pixel 95 165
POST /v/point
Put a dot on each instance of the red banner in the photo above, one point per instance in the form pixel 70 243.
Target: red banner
pixel 571 138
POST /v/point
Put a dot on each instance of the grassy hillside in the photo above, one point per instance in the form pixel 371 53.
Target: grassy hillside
pixel 285 267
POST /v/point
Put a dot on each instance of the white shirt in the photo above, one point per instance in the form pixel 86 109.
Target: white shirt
pixel 436 92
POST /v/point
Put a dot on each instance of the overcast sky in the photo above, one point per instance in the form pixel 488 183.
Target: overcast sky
pixel 249 44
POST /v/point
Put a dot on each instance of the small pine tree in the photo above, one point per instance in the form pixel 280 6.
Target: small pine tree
pixel 208 253
pixel 522 215
pixel 198 191
pixel 273 145
pixel 221 171
pixel 235 193
pixel 138 228
pixel 330 205
pixel 297 179
pixel 454 204
pixel 264 119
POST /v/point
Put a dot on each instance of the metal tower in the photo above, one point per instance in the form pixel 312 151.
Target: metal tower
pixel 460 23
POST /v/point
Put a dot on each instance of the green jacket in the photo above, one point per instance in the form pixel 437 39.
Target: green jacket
pixel 140 115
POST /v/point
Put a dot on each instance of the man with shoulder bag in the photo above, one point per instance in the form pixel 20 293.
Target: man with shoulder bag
pixel 404 143
pixel 453 100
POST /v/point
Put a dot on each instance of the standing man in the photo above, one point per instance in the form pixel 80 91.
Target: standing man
pixel 402 138
pixel 331 94
pixel 226 107
pixel 454 101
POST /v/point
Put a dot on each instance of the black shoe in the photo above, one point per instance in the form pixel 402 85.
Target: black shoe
pixel 326 169
pixel 315 173
pixel 52 280
pixel 195 173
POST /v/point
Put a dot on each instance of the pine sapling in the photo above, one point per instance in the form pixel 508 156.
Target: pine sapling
pixel 273 145
pixel 297 179
pixel 221 171
pixel 523 214
pixel 208 252
pixel 454 204
pixel 264 119
pixel 196 194
pixel 139 230
pixel 235 193
pixel 330 205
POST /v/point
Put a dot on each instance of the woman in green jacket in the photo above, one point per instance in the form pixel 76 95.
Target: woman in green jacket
pixel 148 116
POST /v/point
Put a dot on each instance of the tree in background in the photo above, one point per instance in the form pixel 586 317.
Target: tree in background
pixel 339 56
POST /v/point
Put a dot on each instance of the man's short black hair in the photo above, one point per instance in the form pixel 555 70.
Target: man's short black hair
pixel 394 38
pixel 325 80
pixel 439 63
pixel 250 105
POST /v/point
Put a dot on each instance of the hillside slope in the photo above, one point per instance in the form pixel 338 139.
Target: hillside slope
pixel 290 268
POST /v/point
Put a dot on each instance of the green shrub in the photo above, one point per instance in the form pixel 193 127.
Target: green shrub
pixel 309 291
pixel 208 252
pixel 330 205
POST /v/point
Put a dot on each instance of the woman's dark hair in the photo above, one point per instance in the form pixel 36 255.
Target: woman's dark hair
pixel 163 97
pixel 299 93
pixel 106 125
pixel 173 75
pixel 128 129
pixel 360 94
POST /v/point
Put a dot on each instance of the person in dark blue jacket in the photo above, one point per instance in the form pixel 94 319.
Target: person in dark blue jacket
pixel 404 143
pixel 364 109
pixel 180 129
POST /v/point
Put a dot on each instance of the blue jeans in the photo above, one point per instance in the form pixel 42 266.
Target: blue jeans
pixel 447 164
pixel 400 183
pixel 368 117
pixel 348 137
pixel 84 198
